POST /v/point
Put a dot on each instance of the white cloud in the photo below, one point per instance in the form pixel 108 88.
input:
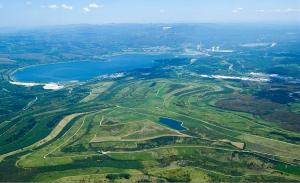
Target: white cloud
pixel 91 6
pixel 288 10
pixel 56 6
pixel 166 28
pixel 64 6
pixel 260 11
pixel 53 6
pixel 28 2
pixel 237 10
pixel 86 9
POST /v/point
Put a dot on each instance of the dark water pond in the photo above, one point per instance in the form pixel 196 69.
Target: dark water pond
pixel 85 70
pixel 177 125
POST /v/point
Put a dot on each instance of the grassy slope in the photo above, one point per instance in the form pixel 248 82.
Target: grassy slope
pixel 138 101
pixel 76 149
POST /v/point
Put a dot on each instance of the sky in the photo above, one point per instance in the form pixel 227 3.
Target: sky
pixel 26 13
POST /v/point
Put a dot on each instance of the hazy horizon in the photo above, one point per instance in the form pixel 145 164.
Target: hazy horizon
pixel 33 13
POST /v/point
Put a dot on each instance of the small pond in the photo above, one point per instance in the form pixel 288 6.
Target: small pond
pixel 177 125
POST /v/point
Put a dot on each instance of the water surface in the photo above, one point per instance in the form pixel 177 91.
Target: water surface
pixel 177 125
pixel 85 70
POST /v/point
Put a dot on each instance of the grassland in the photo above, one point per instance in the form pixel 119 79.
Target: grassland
pixel 109 129
pixel 124 135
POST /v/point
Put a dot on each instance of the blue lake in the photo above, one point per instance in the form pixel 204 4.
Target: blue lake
pixel 177 125
pixel 85 70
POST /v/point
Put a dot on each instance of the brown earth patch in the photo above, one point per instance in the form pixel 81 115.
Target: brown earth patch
pixel 266 109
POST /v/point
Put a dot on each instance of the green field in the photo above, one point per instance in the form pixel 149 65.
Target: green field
pixel 119 131
pixel 109 129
